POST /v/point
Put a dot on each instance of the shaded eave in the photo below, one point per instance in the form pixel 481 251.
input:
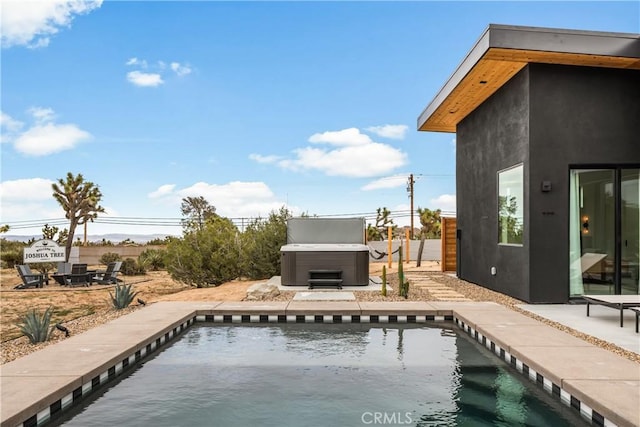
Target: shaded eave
pixel 502 51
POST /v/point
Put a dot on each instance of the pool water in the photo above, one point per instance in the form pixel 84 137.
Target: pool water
pixel 324 375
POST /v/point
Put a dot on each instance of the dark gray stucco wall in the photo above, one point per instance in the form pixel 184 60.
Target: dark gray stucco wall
pixel 578 116
pixel 493 137
pixel 550 118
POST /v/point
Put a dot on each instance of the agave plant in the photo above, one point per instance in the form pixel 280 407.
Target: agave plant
pixel 35 325
pixel 122 296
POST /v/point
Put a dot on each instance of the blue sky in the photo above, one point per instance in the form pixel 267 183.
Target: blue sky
pixel 253 105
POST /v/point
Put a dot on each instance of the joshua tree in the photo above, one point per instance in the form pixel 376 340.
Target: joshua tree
pixel 431 223
pixel 379 230
pixel 80 200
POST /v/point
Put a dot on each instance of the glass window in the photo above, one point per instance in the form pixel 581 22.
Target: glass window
pixel 511 205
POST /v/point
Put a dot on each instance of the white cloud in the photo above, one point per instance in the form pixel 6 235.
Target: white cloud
pixel 180 70
pixel 28 189
pixel 264 159
pixel 153 75
pixel 163 190
pixel 389 131
pixel 444 202
pixel 9 127
pixel 135 61
pixel 350 137
pixel 235 199
pixel 356 155
pixel 42 115
pixel 44 136
pixel 363 161
pixel 49 138
pixel 387 182
pixel 139 78
pixel 31 23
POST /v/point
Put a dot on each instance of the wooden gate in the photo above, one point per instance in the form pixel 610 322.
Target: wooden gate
pixel 448 259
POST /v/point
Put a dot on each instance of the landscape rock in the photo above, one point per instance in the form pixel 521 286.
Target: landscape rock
pixel 262 291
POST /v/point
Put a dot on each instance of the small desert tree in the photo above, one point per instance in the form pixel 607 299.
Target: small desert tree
pixel 80 200
pixel 261 243
pixel 196 210
pixel 205 257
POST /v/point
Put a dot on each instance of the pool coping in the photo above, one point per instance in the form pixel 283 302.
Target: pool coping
pixel 603 386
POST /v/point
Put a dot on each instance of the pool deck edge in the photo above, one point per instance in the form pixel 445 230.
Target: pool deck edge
pixel 38 385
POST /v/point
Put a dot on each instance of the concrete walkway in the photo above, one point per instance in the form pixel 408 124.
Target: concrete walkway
pixel 602 323
pixel 604 387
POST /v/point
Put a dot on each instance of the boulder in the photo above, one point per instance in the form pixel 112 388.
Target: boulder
pixel 262 291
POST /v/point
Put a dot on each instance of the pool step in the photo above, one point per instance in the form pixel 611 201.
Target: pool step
pixel 325 278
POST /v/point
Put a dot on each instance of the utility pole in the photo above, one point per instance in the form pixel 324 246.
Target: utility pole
pixel 410 191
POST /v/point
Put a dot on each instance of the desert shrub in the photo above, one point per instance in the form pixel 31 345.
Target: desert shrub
pixel 160 242
pixel 130 267
pixel 153 259
pixel 261 243
pixel 122 296
pixel 11 252
pixel 35 325
pixel 205 257
pixel 108 257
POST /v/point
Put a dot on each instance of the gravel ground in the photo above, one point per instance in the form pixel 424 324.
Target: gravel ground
pixel 14 349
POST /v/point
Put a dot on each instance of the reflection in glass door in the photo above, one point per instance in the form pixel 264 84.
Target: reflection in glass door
pixel 630 231
pixel 592 236
pixel 604 236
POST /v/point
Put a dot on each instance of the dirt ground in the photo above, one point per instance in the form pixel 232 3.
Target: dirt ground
pixel 81 309
pixel 74 303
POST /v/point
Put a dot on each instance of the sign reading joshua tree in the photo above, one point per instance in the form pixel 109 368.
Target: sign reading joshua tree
pixel 80 200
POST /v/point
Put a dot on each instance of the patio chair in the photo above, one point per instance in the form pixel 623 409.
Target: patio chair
pixel 29 279
pixel 619 302
pixel 64 268
pixel 108 276
pixel 78 276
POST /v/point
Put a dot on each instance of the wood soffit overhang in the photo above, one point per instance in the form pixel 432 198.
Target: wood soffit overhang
pixel 495 66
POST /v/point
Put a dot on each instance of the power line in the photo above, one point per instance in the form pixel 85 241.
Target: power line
pixel 178 222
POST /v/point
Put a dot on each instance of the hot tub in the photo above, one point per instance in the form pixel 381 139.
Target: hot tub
pixel 299 259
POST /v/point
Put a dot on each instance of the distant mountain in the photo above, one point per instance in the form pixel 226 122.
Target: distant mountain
pixel 113 238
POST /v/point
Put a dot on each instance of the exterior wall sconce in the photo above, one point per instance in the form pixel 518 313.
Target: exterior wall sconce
pixel 585 224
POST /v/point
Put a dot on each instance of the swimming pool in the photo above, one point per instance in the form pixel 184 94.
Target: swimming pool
pixel 323 375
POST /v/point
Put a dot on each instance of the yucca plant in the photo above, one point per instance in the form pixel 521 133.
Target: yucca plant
pixel 122 296
pixel 36 325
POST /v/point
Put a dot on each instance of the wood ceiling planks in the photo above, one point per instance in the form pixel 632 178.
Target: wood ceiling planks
pixel 494 69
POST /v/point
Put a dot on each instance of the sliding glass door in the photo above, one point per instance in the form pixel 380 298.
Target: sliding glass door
pixel 630 230
pixel 604 231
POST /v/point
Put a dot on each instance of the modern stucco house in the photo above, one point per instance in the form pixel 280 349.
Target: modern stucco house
pixel 547 125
